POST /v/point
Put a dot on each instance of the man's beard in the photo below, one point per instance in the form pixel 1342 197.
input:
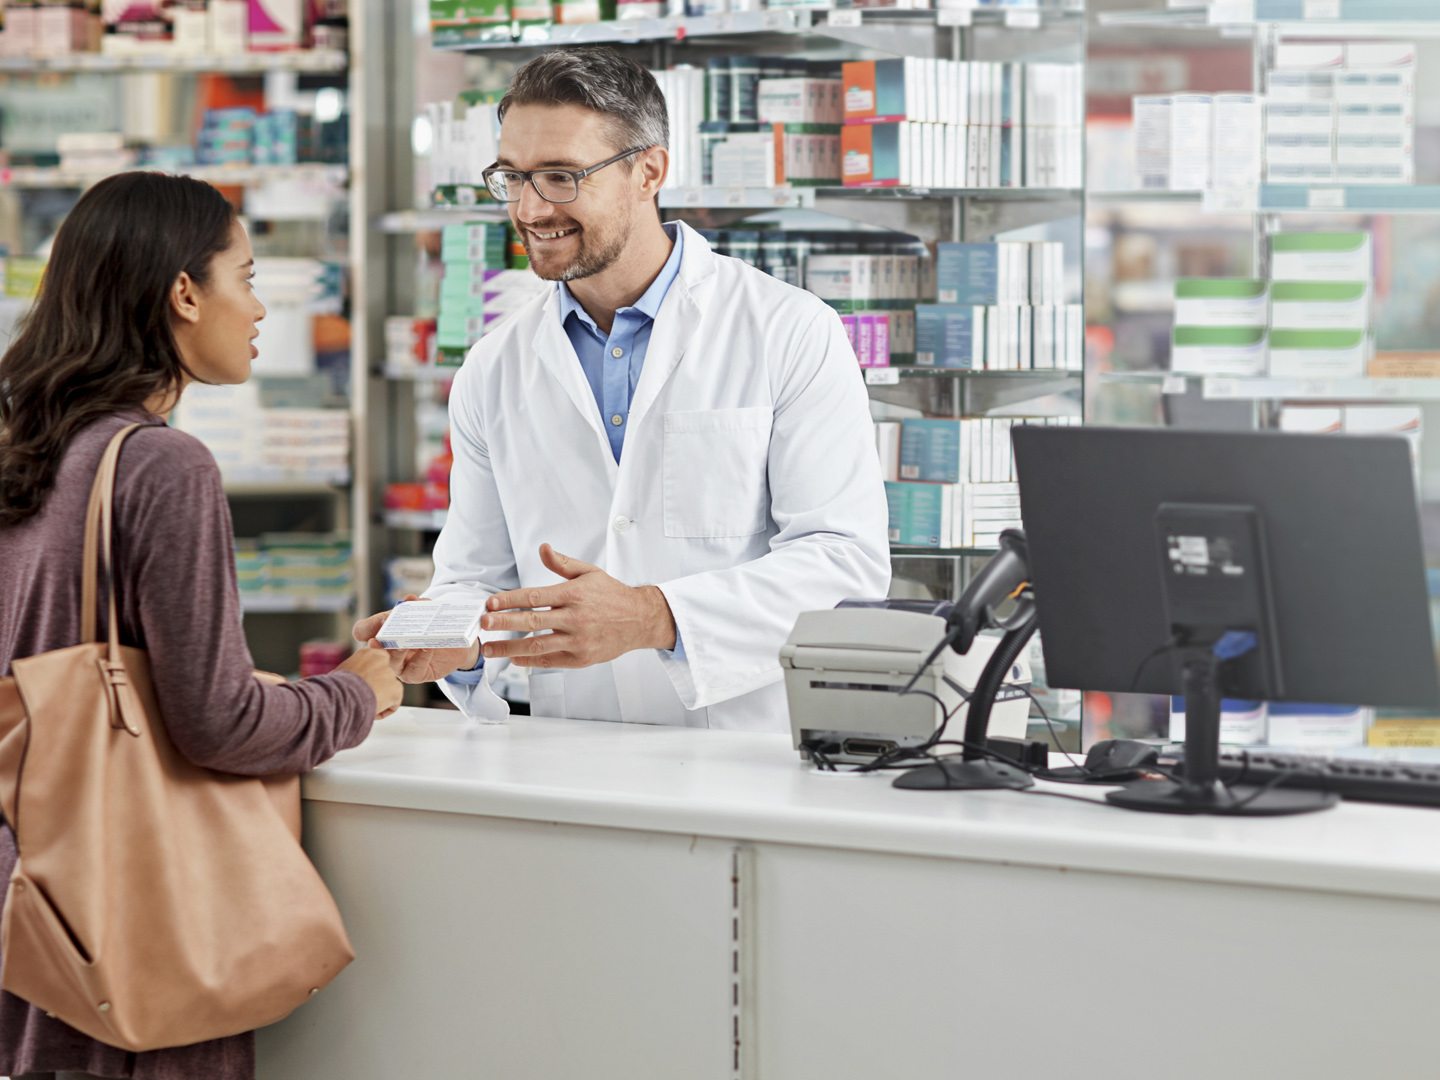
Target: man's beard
pixel 586 263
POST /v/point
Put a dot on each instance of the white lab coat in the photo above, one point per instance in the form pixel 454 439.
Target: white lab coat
pixel 748 490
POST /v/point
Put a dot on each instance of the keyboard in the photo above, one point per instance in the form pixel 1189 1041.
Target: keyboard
pixel 1405 782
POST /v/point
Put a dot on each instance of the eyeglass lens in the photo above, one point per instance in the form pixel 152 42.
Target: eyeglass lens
pixel 553 186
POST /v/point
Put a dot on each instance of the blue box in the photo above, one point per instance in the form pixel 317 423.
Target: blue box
pixel 967 273
pixel 930 450
pixel 949 336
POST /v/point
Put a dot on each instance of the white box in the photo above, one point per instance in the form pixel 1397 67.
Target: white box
pixel 1297 149
pixel 1218 350
pixel 1312 419
pixel 1380 54
pixel 1404 421
pixel 1321 256
pixel 1327 56
pixel 1318 727
pixel 1300 85
pixel 1299 117
pixel 1242 723
pixel 1222 302
pixel 1320 305
pixel 1152 141
pixel 1317 354
pixel 428 624
pixel 1236 141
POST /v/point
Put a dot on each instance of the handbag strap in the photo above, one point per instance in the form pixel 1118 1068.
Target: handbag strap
pixel 98 517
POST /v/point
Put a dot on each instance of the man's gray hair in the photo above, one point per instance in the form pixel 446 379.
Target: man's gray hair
pixel 602 80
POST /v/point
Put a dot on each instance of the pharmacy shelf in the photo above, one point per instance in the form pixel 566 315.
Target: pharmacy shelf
pixel 423 520
pixel 1105 197
pixel 899 552
pixel 1232 16
pixel 264 481
pixel 265 603
pixel 760 198
pixel 1363 198
pixel 1354 28
pixel 1217 388
pixel 307 60
pixel 219 175
pixel 421 373
pixel 745 23
pixel 1010 194
pixel 435 219
pixel 891 376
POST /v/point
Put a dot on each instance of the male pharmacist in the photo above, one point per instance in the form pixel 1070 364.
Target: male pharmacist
pixel 660 462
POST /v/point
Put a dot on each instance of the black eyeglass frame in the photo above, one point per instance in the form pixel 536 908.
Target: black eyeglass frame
pixel 528 177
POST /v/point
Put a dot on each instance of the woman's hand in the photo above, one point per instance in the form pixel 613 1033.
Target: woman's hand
pixel 376 667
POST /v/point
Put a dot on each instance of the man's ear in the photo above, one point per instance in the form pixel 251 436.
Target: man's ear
pixel 185 298
pixel 653 166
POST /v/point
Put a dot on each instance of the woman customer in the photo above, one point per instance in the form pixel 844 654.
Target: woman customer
pixel 147 290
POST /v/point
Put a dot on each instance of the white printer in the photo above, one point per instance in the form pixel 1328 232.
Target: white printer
pixel 844 669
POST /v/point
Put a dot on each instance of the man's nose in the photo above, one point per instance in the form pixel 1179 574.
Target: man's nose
pixel 532 206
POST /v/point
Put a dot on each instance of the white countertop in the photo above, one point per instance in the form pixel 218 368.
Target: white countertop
pixel 753 787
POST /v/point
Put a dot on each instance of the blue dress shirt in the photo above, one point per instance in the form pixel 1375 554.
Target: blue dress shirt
pixel 612 364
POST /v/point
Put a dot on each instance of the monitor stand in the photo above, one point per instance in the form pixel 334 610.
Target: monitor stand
pixel 1200 791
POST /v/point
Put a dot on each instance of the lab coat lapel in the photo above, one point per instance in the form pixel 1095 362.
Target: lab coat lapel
pixel 553 347
pixel 675 324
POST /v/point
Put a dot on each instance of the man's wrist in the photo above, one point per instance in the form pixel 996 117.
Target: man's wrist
pixel 663 619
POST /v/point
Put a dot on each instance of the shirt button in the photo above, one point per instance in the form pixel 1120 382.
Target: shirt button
pixel 617 352
pixel 621 523
pixel 617 419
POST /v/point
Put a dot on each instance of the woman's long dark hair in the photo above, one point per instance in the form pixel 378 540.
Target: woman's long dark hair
pixel 98 339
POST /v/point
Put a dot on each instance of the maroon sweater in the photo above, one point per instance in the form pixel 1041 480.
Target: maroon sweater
pixel 178 600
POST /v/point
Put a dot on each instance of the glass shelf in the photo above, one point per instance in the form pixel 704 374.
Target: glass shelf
pixel 310 60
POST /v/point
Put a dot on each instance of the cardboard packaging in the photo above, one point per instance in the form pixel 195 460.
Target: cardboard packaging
pixel 1321 256
pixel 1318 727
pixel 950 336
pixel 1222 302
pixel 1320 305
pixel 1242 723
pixel 1218 350
pixel 1317 354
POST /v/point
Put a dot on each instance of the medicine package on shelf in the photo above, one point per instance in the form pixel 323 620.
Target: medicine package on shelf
pixel 427 624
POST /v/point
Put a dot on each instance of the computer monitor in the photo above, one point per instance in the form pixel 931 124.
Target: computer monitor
pixel 1256 565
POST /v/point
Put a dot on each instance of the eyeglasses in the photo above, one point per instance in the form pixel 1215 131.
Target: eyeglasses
pixel 552 185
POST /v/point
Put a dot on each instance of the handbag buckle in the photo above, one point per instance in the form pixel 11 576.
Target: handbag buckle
pixel 117 681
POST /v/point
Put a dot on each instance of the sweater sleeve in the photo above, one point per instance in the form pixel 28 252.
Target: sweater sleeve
pixel 175 560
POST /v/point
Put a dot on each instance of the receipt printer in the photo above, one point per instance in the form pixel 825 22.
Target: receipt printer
pixel 845 668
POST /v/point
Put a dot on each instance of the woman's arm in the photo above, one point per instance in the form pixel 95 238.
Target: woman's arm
pixel 175 554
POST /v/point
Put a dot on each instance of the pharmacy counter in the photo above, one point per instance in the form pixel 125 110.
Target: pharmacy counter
pixel 555 899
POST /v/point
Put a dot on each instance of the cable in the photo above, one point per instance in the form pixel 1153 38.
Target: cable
pixel 1046 717
pixel 1140 670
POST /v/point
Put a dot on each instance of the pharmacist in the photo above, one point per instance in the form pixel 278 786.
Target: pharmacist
pixel 662 460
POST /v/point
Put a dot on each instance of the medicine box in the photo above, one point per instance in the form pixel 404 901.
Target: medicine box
pixel 1321 256
pixel 1218 350
pixel 1222 302
pixel 1317 727
pixel 950 336
pixel 921 515
pixel 1317 354
pixel 1320 305
pixel 931 450
pixel 1312 419
pixel 875 91
pixel 1242 723
pixel 426 624
pixel 870 154
pixel 972 273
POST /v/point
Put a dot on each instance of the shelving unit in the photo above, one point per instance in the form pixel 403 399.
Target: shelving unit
pixel 306 60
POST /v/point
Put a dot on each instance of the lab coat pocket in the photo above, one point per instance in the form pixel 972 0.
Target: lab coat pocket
pixel 547 693
pixel 715 461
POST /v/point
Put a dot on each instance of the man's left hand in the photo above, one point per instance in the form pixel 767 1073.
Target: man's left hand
pixel 592 618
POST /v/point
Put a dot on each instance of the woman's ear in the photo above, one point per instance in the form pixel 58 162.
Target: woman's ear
pixel 185 298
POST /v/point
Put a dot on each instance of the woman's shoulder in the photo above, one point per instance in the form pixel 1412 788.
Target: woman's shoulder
pixel 159 455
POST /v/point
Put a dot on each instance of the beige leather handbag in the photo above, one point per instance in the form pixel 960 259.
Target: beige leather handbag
pixel 155 903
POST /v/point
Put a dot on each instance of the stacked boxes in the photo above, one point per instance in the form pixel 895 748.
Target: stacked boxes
pixel 1001 308
pixel 466 139
pixel 749 121
pixel 1190 142
pixel 1285 724
pixel 1341 112
pixel 409 342
pixel 1320 304
pixel 478 290
pixel 305 440
pixel 1401 421
pixel 916 122
pixel 956 485
pixel 876 297
pixel 249 441
pixel 1312 321
pixel 302 565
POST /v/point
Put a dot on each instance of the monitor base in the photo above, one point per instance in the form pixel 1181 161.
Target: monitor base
pixel 956 775
pixel 1240 800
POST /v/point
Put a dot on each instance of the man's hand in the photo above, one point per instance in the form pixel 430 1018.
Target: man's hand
pixel 592 618
pixel 417 665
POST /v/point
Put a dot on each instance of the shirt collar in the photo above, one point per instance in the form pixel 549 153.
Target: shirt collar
pixel 648 304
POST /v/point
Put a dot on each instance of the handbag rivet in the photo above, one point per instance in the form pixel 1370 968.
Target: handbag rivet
pixel 19 886
pixel 50 1015
pixel 104 1006
pixel 315 991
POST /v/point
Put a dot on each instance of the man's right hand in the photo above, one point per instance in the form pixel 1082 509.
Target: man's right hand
pixel 418 665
